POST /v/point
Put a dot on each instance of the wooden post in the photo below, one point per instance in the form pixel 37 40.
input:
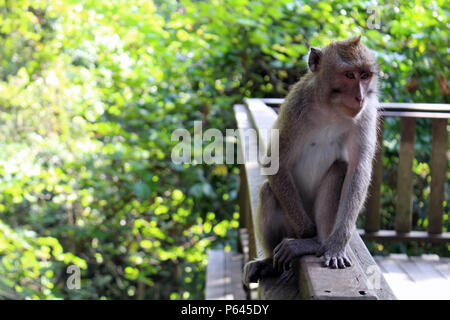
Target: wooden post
pixel 438 175
pixel 243 198
pixel 372 222
pixel 403 219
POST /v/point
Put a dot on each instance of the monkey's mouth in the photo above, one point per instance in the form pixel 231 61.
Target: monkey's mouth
pixel 352 110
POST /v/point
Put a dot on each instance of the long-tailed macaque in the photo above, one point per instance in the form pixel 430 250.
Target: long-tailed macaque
pixel 327 126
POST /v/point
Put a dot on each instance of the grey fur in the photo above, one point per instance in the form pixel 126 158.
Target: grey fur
pixel 326 147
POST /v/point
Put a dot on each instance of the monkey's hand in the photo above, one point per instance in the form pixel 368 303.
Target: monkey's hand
pixel 257 269
pixel 334 256
pixel 289 249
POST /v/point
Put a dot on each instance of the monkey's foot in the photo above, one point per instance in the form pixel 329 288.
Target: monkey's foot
pixel 335 258
pixel 257 269
pixel 289 249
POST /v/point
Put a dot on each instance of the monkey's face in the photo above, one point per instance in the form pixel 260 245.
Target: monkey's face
pixel 347 74
pixel 350 88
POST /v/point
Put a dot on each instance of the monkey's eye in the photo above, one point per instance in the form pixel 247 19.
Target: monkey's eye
pixel 365 75
pixel 350 75
pixel 336 91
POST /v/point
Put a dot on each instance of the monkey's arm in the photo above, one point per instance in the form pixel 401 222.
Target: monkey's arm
pixel 353 194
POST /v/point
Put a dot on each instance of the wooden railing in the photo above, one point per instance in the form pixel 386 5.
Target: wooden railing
pixel 312 281
pixel 408 113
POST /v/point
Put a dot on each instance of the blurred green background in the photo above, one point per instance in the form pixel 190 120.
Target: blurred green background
pixel 90 92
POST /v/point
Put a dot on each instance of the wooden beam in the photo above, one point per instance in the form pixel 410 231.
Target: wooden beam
pixel 438 107
pixel 392 235
pixel 393 109
pixel 403 213
pixel 415 114
pixel 438 175
pixel 363 281
pixel 263 119
pixel 254 179
pixel 370 268
pixel 319 283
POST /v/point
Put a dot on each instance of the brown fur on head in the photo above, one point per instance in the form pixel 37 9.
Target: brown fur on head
pixel 347 74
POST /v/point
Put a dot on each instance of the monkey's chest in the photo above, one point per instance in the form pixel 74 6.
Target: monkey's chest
pixel 318 154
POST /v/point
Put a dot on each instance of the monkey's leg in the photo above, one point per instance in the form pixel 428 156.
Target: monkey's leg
pixel 325 209
pixel 326 206
pixel 271 229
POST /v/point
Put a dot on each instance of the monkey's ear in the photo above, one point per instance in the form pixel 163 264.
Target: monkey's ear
pixel 315 57
pixel 354 41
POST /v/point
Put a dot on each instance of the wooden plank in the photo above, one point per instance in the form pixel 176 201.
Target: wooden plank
pixel 443 267
pixel 263 118
pixel 392 109
pixel 319 283
pixel 392 235
pixel 428 267
pixel 400 283
pixel 243 198
pixel 233 267
pixel 253 176
pixel 440 107
pixel 438 176
pixel 413 271
pixel 372 214
pixel 273 100
pixel 243 243
pixel 368 265
pixel 403 213
pixel 406 106
pixel 414 114
pixel 428 284
pixel 224 276
pixel 215 275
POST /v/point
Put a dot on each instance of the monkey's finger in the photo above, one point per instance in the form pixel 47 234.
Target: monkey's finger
pixel 326 261
pixel 281 259
pixel 347 262
pixel 286 265
pixel 276 261
pixel 333 263
pixel 281 245
pixel 288 262
pixel 278 247
pixel 340 262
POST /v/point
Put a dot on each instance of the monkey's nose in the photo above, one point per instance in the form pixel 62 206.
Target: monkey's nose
pixel 358 98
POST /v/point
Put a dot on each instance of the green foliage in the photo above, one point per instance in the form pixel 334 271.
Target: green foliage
pixel 90 92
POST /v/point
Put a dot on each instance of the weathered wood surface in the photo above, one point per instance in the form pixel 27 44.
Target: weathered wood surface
pixel 392 235
pixel 421 278
pixel 343 284
pixel 315 281
pixel 223 276
pixel 403 211
pixel 253 178
pixel 438 176
pixel 393 109
pixel 372 215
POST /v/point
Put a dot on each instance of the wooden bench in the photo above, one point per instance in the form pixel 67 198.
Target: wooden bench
pixel 313 281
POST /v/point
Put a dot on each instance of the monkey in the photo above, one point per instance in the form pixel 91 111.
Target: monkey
pixel 327 139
